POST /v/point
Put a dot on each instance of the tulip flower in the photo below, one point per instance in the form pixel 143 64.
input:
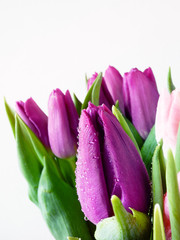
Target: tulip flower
pixel 62 124
pixel 105 96
pixel 34 118
pixel 168 118
pixel 141 97
pixel 108 164
pixel 166 217
pixel 114 82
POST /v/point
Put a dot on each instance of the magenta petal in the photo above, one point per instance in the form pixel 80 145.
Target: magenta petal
pixel 125 173
pixel 141 97
pixel 72 115
pixel 60 137
pixel 21 112
pixel 34 118
pixel 90 181
pixel 105 97
pixel 108 163
pixel 114 82
pixel 39 120
pixel 91 80
pixel 149 74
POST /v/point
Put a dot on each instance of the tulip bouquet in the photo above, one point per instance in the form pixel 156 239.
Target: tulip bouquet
pixel 106 168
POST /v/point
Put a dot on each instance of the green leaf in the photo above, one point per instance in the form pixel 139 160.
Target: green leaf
pixel 125 126
pixel 86 79
pixel 148 149
pixel 30 163
pixel 67 167
pixel 158 226
pixel 35 143
pixel 123 225
pixel 173 196
pixel 170 84
pixel 73 238
pixel 93 93
pixel 135 133
pixel 77 104
pixel 11 116
pixel 157 187
pixel 177 155
pixel 162 162
pixel 60 206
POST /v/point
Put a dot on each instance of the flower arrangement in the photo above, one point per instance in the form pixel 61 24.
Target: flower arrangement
pixel 106 168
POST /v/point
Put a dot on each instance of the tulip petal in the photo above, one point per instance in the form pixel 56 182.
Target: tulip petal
pixel 149 74
pixel 105 97
pixel 173 120
pixel 91 80
pixel 60 137
pixel 34 118
pixel 114 83
pixel 38 118
pixel 21 112
pixel 163 109
pixel 90 181
pixel 141 98
pixel 72 115
pixel 122 164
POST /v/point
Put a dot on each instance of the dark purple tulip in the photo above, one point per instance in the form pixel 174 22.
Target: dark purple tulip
pixel 141 97
pixel 108 164
pixel 34 118
pixel 114 83
pixel 105 96
pixel 62 124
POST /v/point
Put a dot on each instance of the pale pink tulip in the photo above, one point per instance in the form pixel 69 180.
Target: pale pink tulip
pixel 168 119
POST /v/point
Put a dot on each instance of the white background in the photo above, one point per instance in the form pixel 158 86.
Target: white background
pixel 49 44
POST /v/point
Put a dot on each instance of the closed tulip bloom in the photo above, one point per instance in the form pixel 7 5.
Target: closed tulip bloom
pixel 141 97
pixel 114 83
pixel 62 124
pixel 168 119
pixel 105 96
pixel 34 118
pixel 108 164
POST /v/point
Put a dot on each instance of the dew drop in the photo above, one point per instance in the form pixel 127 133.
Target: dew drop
pixel 91 142
pixel 116 179
pixel 85 218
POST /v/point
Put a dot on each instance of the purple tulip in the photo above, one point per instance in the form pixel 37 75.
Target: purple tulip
pixel 105 96
pixel 108 164
pixel 62 124
pixel 114 83
pixel 34 118
pixel 141 97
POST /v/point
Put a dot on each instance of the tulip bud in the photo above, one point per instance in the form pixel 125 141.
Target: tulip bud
pixel 168 118
pixel 34 118
pixel 114 82
pixel 105 96
pixel 108 164
pixel 141 97
pixel 62 124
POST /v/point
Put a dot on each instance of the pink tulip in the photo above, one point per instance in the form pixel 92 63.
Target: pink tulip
pixel 168 119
